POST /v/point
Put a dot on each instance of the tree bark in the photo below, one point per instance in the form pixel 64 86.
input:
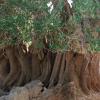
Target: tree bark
pixel 14 68
pixel 26 65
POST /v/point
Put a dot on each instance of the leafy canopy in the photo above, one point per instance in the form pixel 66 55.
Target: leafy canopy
pixel 20 20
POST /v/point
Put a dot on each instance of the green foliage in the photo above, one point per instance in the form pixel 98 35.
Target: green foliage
pixel 86 9
pixel 94 43
pixel 22 19
pixel 21 22
pixel 14 25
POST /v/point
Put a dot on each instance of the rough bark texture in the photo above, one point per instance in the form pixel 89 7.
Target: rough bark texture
pixel 14 68
pixel 75 71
